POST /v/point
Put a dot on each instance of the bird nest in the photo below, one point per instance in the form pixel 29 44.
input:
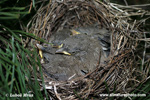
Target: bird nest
pixel 122 71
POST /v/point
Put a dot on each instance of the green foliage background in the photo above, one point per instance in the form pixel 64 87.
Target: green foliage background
pixel 18 69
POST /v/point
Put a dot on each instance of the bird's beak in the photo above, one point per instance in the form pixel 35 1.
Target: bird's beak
pixel 58 46
pixel 62 51
pixel 40 47
pixel 74 32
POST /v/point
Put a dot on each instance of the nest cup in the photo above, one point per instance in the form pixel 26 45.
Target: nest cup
pixel 118 70
pixel 68 14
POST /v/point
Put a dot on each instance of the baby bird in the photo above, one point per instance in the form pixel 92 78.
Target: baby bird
pixel 79 53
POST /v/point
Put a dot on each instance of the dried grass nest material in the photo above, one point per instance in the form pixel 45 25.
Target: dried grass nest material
pixel 122 68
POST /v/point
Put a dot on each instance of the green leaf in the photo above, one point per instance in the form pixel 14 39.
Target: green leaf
pixel 7 18
pixel 9 14
pixel 13 8
pixel 33 3
pixel 7 60
pixel 29 35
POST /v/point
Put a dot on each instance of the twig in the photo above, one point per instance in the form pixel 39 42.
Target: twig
pixel 55 90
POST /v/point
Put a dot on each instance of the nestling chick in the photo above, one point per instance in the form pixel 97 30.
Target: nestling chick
pixel 83 52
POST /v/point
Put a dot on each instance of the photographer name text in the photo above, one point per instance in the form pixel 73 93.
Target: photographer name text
pixel 19 95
